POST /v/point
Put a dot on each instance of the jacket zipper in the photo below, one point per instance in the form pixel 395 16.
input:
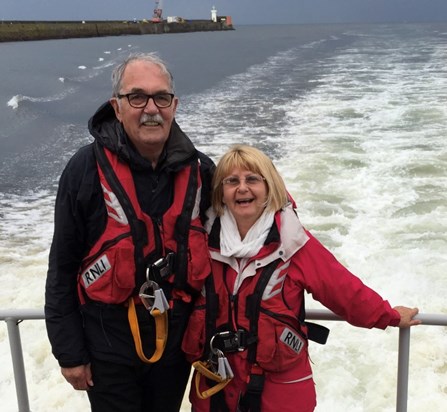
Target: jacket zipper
pixel 285 319
pixel 106 245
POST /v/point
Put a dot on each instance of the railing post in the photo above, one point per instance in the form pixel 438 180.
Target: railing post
pixel 18 364
pixel 402 370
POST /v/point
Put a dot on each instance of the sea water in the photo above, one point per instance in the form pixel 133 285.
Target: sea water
pixel 354 117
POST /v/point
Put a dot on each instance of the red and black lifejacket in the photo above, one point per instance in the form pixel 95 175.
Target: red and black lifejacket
pixel 116 265
pixel 258 311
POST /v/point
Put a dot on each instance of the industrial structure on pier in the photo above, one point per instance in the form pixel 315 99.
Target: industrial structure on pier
pixel 11 31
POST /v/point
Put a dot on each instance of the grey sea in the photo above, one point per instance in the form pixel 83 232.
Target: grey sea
pixel 355 119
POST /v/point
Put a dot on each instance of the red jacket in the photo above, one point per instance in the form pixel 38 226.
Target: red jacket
pixel 282 347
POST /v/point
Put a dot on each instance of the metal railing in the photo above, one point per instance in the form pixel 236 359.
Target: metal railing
pixel 13 317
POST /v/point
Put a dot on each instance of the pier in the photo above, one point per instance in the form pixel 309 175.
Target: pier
pixel 12 31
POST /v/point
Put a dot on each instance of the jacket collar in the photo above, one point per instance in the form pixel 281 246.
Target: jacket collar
pixel 285 238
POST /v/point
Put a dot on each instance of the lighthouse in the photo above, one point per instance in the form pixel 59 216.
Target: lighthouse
pixel 214 14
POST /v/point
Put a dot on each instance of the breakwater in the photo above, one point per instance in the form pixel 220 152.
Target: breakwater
pixel 11 31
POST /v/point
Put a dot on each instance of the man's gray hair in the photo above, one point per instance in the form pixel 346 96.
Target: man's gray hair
pixel 118 71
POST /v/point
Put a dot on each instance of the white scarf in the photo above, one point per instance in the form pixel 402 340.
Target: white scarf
pixel 231 243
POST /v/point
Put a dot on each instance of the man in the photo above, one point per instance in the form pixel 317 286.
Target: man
pixel 129 251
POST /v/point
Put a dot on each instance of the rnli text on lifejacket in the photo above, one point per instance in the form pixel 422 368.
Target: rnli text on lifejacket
pixel 292 340
pixel 96 270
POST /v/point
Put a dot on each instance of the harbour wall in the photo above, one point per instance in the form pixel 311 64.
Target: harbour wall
pixel 11 31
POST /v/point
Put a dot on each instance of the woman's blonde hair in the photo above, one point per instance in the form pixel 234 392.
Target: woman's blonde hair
pixel 252 159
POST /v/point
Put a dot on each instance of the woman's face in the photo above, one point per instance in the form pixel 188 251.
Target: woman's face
pixel 245 195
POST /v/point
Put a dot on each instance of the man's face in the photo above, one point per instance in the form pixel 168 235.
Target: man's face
pixel 147 127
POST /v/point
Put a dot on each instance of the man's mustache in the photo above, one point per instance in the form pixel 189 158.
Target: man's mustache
pixel 148 118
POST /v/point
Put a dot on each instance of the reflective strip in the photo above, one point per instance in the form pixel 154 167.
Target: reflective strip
pixel 300 380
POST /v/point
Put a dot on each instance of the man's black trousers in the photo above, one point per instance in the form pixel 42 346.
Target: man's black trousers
pixel 142 388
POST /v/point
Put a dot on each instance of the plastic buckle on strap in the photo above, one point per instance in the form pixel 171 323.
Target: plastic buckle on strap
pixel 162 268
pixel 229 341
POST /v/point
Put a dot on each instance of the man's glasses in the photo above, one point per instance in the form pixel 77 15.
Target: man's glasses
pixel 139 100
pixel 250 180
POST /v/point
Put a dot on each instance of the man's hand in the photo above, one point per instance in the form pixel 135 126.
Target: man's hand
pixel 80 377
pixel 406 316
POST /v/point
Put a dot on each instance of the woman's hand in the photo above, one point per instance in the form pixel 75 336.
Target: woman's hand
pixel 406 316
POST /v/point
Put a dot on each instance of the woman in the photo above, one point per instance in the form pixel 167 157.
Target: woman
pixel 249 331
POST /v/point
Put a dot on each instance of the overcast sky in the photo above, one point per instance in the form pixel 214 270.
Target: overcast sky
pixel 242 11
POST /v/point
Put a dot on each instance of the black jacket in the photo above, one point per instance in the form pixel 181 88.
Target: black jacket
pixel 97 329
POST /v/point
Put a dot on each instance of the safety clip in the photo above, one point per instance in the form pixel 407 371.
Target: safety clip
pixel 153 297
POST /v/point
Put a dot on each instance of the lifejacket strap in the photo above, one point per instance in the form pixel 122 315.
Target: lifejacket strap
pixel 317 333
pixel 251 400
pixel 202 368
pixel 161 332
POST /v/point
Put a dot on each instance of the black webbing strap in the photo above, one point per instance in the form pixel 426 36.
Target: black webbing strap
pixel 211 310
pixel 251 400
pixel 253 305
pixel 182 226
pixel 217 401
pixel 316 333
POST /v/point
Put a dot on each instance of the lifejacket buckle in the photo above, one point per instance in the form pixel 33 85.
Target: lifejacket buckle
pixel 162 268
pixel 155 299
pixel 229 341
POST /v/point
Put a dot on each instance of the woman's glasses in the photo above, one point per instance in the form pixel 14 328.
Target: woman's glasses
pixel 250 180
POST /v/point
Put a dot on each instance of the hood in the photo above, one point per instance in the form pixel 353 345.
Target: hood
pixel 109 132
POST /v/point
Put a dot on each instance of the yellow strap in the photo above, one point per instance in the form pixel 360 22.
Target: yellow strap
pixel 161 332
pixel 202 369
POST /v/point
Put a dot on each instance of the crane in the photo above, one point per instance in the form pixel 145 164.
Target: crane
pixel 156 18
